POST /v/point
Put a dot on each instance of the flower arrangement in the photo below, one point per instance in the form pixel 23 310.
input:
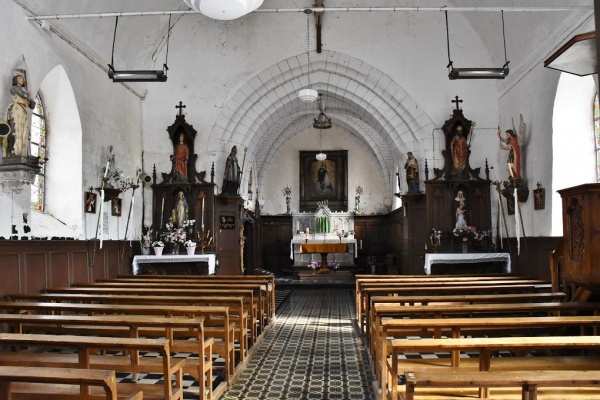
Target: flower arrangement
pixel 173 234
pixel 435 238
pixel 470 233
pixel 340 235
pixel 359 190
pixel 188 222
pixel 314 265
pixel 189 243
pixel 333 264
pixel 158 243
pixel 287 191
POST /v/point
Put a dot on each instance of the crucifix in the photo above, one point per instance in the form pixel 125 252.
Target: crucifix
pixel 456 100
pixel 181 107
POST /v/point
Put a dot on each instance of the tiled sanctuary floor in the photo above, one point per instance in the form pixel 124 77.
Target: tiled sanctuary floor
pixel 314 351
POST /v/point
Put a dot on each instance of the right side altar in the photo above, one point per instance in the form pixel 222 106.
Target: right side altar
pixel 457 197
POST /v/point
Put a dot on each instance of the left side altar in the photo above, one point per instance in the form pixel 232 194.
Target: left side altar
pixel 183 205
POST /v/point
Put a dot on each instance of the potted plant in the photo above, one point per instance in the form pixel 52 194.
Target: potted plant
pixel 158 247
pixel 190 247
pixel 314 265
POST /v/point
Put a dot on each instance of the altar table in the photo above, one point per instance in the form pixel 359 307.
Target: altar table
pixel 461 258
pixel 323 249
pixel 174 258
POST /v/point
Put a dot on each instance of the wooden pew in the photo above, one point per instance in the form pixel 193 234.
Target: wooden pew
pixel 528 381
pixel 256 303
pixel 236 307
pixel 85 358
pixel 464 299
pixel 58 383
pixel 418 280
pixel 269 280
pixel 381 311
pixel 248 294
pixel 176 330
pixel 457 327
pixel 484 346
pixel 223 331
pixel 433 290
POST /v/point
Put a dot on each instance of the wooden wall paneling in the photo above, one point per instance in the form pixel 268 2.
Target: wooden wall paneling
pixel 36 271
pixel 534 260
pixel 12 280
pixel 276 235
pixel 59 269
pixel 415 233
pixel 371 234
pixel 229 227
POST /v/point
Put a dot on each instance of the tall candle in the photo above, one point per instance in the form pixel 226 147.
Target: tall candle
pixel 162 212
pixel 202 216
pixel 307 232
pixel 297 226
pixel 106 170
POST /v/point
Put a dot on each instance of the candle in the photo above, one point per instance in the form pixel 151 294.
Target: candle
pixel 297 226
pixel 106 170
pixel 162 212
pixel 306 232
pixel 361 244
pixel 202 216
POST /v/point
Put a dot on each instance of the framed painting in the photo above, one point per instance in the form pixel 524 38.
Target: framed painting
pixel 115 206
pixel 90 202
pixel 539 198
pixel 325 180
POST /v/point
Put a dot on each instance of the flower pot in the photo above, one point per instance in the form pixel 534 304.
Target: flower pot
pixel 158 251
pixel 190 250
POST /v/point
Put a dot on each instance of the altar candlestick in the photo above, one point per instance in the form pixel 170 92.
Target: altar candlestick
pixel 162 211
pixel 307 232
pixel 106 170
pixel 297 226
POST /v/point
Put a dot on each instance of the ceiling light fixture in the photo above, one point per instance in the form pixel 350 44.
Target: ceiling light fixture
pixel 321 122
pixel 224 10
pixel 476 73
pixel 308 95
pixel 138 75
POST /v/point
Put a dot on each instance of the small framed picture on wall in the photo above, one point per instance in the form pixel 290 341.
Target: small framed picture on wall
pixel 115 206
pixel 90 202
pixel 539 198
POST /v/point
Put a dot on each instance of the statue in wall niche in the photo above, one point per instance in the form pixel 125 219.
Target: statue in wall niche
pixel 459 149
pixel 232 174
pixel 180 160
pixel 461 221
pixel 180 210
pixel 411 166
pixel 16 114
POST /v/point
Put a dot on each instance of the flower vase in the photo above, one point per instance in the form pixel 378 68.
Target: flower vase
pixel 145 251
pixel 190 250
pixel 175 248
pixel 158 251
pixel 465 247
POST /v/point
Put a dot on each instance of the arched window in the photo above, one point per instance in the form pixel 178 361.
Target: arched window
pixel 597 135
pixel 37 148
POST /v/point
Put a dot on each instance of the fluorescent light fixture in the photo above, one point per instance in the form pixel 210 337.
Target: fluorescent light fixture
pixel 137 76
pixel 478 73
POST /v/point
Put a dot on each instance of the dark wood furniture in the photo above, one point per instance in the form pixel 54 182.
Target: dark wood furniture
pixel 276 235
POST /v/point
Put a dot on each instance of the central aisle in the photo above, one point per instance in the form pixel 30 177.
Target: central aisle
pixel 314 351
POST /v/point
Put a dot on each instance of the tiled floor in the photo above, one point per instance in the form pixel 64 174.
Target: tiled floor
pixel 314 351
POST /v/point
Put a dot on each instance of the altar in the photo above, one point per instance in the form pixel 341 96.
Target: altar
pixel 302 259
pixel 174 259
pixel 467 258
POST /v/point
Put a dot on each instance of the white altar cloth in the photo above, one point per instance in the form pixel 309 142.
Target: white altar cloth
pixel 459 258
pixel 174 258
pixel 320 239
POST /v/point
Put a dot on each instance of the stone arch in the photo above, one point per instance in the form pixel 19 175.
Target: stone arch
pixel 361 98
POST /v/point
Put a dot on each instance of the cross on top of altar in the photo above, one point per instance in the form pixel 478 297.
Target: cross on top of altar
pixel 457 101
pixel 181 107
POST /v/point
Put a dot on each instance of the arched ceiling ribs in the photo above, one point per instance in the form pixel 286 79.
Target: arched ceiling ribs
pixel 266 110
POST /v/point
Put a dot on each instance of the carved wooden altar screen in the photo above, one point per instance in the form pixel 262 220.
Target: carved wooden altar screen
pixel 457 175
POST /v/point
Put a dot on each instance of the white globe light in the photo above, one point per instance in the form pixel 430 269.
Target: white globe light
pixel 308 95
pixel 321 156
pixel 224 9
pixel 195 4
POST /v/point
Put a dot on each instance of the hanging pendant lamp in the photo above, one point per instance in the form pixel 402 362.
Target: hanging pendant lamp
pixel 308 95
pixel 321 122
pixel 224 9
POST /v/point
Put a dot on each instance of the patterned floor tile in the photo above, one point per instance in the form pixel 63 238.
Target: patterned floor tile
pixel 313 351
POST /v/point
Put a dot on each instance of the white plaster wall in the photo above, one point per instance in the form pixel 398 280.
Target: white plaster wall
pixel 109 114
pixel 286 172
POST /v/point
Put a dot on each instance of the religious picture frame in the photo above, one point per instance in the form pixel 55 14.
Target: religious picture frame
pixel 116 206
pixel 90 202
pixel 539 198
pixel 325 180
